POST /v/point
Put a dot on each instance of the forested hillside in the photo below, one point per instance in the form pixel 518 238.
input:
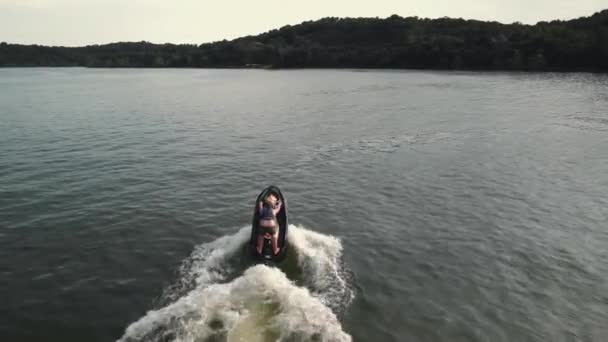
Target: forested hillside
pixel 394 42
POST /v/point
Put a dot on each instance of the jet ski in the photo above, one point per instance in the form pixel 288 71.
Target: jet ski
pixel 267 254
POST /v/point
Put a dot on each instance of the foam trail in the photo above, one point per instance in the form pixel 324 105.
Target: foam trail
pixel 208 264
pixel 320 257
pixel 260 305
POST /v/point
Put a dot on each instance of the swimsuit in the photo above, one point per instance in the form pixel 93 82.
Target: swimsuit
pixel 268 221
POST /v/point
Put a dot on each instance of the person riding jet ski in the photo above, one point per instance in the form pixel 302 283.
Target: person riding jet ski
pixel 268 208
pixel 269 225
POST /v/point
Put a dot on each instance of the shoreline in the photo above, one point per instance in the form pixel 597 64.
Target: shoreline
pixel 271 68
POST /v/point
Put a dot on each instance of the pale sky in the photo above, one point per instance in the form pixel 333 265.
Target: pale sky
pixel 82 22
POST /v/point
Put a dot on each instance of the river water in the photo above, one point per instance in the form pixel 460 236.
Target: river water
pixel 424 206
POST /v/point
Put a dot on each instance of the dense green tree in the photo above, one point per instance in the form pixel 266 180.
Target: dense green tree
pixel 394 42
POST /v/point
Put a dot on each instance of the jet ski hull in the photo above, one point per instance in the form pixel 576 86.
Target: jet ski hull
pixel 267 254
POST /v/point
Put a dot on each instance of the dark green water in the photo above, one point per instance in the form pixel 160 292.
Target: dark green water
pixel 468 206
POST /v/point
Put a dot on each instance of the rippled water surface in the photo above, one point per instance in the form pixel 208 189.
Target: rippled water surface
pixel 427 206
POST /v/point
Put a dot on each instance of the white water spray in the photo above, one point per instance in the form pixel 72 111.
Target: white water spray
pixel 260 305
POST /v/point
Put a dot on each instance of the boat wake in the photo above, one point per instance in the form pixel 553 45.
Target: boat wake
pixel 214 300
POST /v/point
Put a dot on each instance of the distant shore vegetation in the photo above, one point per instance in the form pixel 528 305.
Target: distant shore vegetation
pixel 394 42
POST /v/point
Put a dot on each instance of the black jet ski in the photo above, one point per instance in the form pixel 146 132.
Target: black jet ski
pixel 267 254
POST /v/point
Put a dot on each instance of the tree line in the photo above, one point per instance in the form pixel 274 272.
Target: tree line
pixel 393 42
